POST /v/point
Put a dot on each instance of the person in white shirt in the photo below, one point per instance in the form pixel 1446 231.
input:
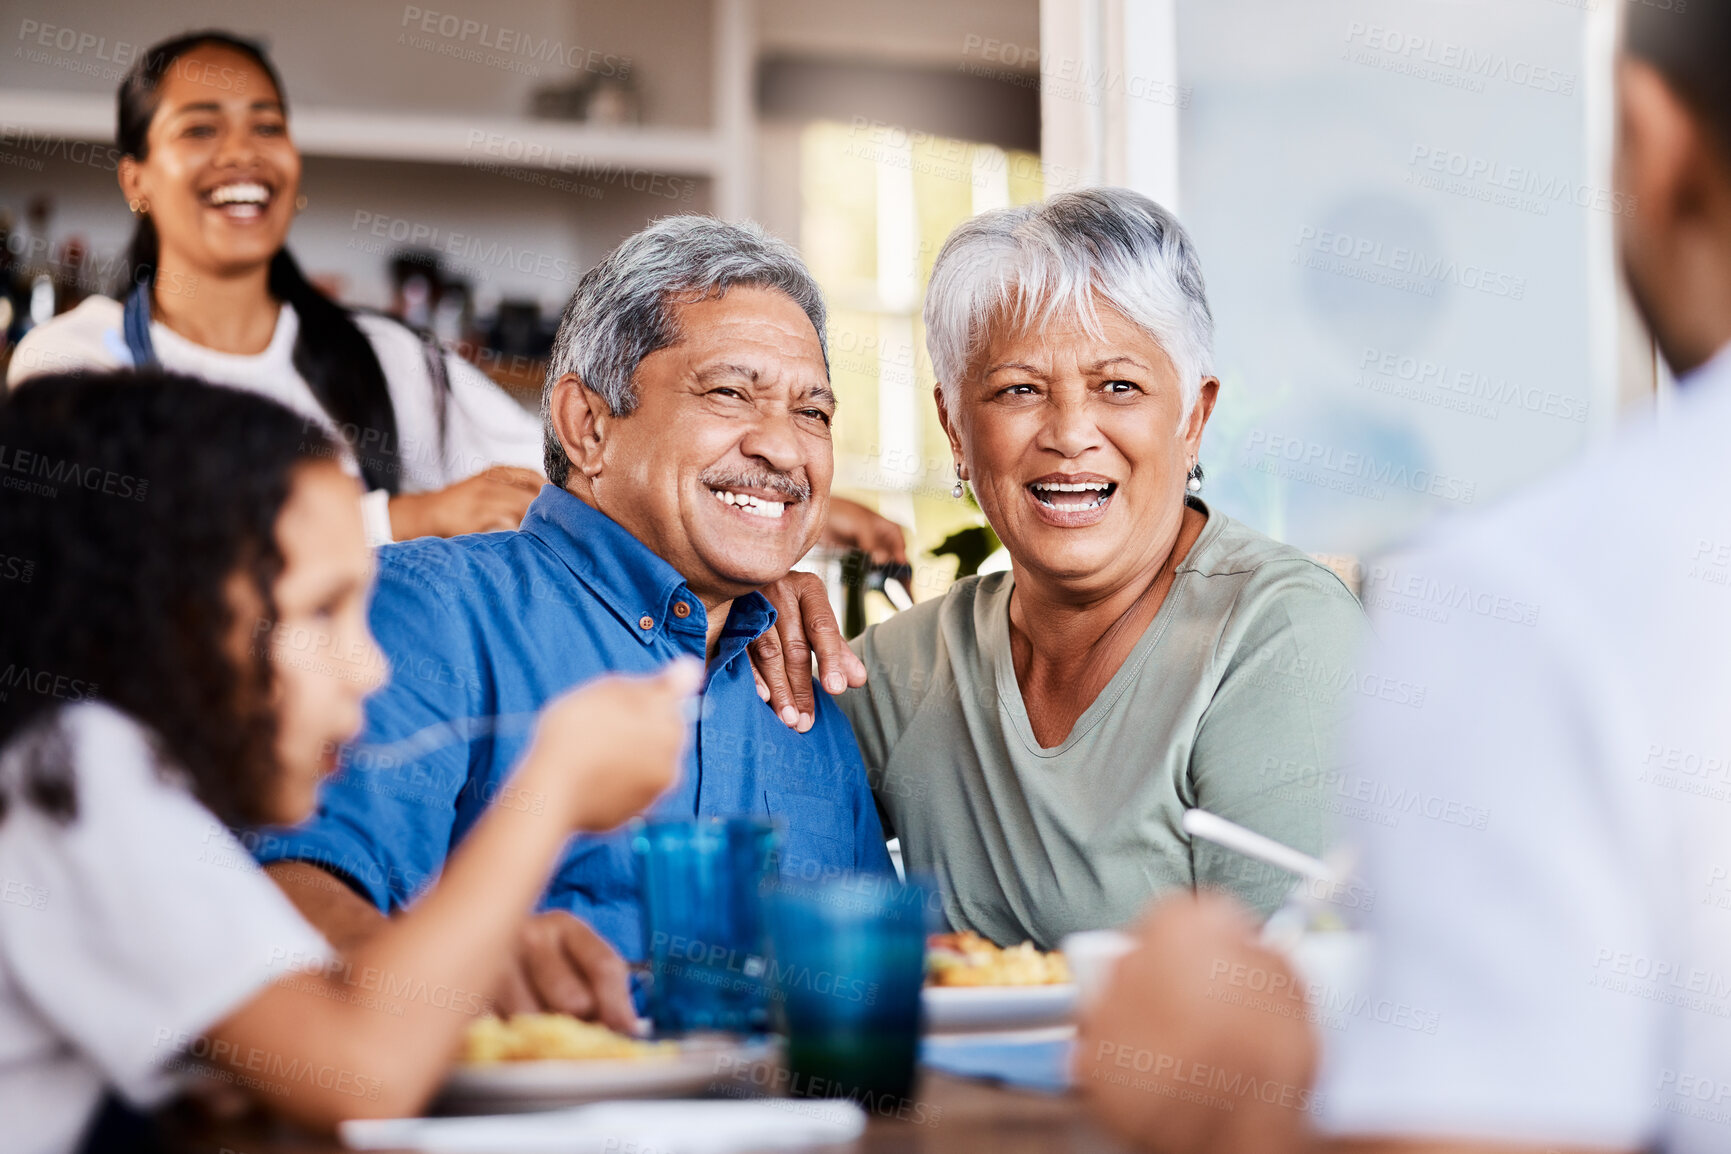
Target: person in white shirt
pixel 211 173
pixel 213 176
pixel 183 649
pixel 1557 977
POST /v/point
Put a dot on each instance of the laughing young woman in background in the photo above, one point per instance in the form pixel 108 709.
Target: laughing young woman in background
pixel 210 171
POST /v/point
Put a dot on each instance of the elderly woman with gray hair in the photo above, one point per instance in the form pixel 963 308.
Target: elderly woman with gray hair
pixel 1035 736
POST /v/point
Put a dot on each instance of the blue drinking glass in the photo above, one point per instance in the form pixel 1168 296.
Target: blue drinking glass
pixel 847 961
pixel 701 884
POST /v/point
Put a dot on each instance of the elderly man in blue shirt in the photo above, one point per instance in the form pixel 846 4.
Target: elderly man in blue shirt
pixel 687 421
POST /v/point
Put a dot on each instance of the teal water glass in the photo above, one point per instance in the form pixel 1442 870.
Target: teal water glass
pixel 847 962
pixel 701 883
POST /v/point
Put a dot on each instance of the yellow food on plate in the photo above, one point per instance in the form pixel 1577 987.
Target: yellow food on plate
pixel 552 1037
pixel 967 959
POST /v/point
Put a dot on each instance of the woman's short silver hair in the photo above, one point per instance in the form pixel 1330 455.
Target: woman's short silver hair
pixel 1025 266
pixel 623 308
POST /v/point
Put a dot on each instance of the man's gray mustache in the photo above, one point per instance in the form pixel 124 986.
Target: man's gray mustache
pixel 786 484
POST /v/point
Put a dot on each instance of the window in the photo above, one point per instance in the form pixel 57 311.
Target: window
pixel 876 205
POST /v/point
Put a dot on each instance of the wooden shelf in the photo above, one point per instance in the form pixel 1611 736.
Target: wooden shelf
pixel 518 142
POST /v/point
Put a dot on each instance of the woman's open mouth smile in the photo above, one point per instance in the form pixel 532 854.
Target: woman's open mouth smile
pixel 1071 501
pixel 239 200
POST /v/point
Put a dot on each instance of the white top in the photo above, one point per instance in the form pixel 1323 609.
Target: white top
pixel 1573 950
pixel 485 426
pixel 123 935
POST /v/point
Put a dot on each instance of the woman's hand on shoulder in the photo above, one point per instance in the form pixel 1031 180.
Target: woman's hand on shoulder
pixel 489 501
pixel 805 624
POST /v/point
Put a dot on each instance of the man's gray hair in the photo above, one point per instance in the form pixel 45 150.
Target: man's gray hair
pixel 1026 265
pixel 623 308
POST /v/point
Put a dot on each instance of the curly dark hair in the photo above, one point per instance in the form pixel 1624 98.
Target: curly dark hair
pixel 129 502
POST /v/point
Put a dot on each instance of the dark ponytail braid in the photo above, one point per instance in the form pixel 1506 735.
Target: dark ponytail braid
pixel 339 365
pixel 330 353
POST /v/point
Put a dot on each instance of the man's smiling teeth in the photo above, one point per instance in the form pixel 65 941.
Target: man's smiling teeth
pixel 243 192
pixel 1047 494
pixel 750 504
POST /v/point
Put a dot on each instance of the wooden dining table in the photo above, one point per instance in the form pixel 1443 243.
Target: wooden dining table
pixel 961 1117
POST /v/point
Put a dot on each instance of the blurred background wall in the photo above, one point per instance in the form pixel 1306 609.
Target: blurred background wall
pixel 1403 206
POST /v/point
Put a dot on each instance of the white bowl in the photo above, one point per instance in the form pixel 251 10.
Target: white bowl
pixel 1092 955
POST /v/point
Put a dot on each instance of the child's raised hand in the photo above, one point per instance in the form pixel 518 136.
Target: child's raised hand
pixel 616 742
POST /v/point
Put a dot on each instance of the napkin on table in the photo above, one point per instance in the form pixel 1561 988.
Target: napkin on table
pixel 1034 1060
pixel 651 1126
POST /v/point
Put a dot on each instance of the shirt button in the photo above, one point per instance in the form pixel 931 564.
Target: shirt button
pixel 646 623
pixel 681 609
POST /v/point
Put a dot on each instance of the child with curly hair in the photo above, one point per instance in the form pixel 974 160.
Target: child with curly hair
pixel 184 649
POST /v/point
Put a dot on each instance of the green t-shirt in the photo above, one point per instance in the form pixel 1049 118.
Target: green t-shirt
pixel 1231 701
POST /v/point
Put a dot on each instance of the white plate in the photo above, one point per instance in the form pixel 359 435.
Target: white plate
pixel 952 1009
pixel 700 1066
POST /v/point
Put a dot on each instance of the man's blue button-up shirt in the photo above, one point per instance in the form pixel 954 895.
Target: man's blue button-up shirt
pixel 482 631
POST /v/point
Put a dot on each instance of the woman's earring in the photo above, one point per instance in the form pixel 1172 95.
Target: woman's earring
pixel 301 202
pixel 1194 484
pixel 957 491
pixel 139 207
